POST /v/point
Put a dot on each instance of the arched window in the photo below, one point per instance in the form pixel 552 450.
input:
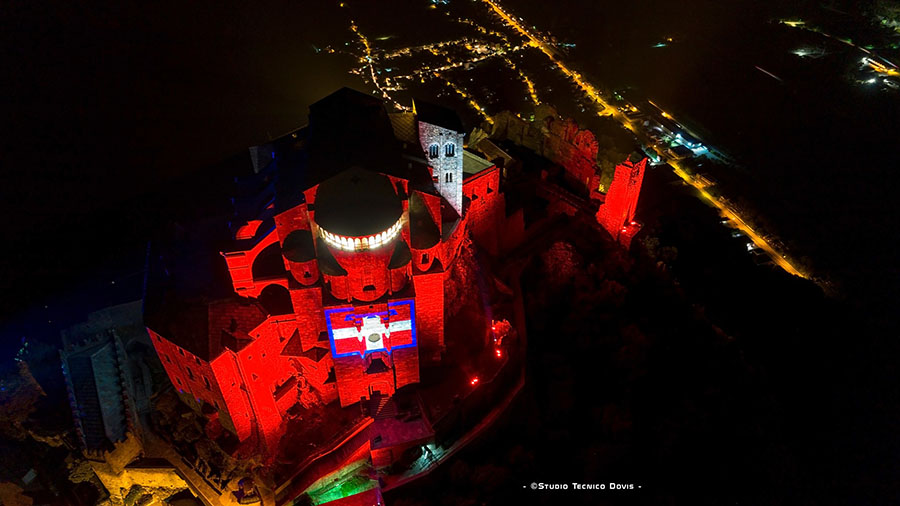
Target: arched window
pixel 449 149
pixel 433 151
pixel 448 177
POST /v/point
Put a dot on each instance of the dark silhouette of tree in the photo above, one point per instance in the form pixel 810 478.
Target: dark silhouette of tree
pixel 560 264
pixel 19 394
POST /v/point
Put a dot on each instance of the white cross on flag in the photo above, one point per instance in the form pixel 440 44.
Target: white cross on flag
pixel 352 332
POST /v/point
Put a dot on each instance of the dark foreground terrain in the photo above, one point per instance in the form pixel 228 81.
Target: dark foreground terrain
pixel 685 370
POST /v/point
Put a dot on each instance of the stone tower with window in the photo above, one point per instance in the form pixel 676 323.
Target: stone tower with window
pixel 441 135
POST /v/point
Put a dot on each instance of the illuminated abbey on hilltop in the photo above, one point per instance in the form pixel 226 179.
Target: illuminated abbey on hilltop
pixel 298 321
pixel 336 286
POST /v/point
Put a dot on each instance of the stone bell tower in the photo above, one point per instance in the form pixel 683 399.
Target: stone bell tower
pixel 441 135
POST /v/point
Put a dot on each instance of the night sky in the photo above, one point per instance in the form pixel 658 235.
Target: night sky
pixel 106 105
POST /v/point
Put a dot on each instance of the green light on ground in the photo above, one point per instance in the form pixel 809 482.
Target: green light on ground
pixel 354 485
pixel 350 480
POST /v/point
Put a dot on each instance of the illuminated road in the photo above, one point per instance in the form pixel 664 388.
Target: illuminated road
pixel 588 88
pixel 475 105
pixel 605 109
pixel 525 79
pixel 367 60
pixel 881 68
pixel 738 222
pixel 890 69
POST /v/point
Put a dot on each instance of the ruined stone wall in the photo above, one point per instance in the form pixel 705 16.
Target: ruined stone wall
pixel 558 139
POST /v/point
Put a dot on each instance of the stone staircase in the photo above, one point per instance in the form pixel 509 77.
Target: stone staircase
pixel 87 402
pixel 381 407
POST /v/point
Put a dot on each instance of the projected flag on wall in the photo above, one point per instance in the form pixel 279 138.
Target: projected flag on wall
pixel 360 333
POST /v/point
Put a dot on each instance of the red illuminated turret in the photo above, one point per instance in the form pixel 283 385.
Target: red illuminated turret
pixel 616 215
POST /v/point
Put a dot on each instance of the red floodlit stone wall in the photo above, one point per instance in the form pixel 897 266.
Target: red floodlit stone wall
pixel 237 400
pixel 429 288
pixel 316 373
pixel 399 278
pixel 189 374
pixel 310 321
pixel 327 391
pixel 339 287
pixel 263 368
pixel 401 186
pixel 406 366
pixel 353 383
pixel 306 273
pixel 240 266
pixel 423 259
pixel 617 212
pixel 486 208
pixel 367 271
pixel 295 218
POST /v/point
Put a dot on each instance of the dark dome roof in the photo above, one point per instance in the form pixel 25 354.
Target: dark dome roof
pixel 401 256
pixel 357 203
pixel 298 246
pixel 423 232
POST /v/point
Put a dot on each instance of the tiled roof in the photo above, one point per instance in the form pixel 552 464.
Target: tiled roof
pixel 94 380
pixel 405 129
pixel 315 353
pixel 401 255
pixel 357 203
pixel 473 164
pixel 327 263
pixel 294 346
pixel 298 246
pixel 424 233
